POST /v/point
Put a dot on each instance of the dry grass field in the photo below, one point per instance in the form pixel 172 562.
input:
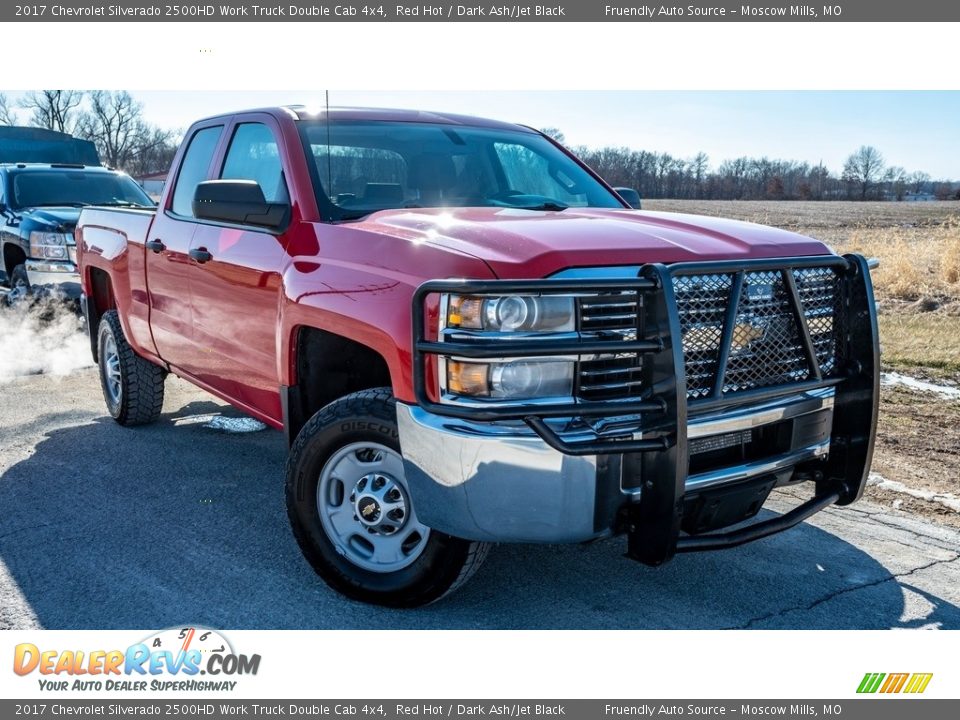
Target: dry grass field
pixel 918 292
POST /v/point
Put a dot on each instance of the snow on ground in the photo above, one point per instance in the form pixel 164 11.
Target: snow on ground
pixel 948 500
pixel 945 391
pixel 235 425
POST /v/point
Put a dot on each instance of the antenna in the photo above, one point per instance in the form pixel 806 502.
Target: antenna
pixel 329 156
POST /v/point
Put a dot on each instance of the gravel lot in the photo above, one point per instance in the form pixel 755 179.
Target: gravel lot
pixel 107 527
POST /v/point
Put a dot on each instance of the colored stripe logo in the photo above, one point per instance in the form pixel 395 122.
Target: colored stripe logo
pixel 912 683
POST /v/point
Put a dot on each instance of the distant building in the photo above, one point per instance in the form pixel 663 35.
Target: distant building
pixel 919 197
pixel 153 183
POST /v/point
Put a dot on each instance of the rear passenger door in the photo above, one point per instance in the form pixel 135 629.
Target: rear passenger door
pixel 235 293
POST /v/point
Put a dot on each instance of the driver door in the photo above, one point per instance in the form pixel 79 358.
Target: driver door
pixel 236 284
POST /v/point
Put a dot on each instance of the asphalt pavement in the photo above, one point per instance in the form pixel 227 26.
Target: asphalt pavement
pixel 175 523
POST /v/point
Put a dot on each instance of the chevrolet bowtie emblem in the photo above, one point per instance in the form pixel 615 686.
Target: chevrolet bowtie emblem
pixel 369 510
pixel 745 333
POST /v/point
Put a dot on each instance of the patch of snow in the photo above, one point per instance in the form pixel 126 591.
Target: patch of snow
pixel 945 391
pixel 235 425
pixel 948 500
pixel 194 419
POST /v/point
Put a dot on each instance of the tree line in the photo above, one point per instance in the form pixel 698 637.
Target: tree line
pixel 865 176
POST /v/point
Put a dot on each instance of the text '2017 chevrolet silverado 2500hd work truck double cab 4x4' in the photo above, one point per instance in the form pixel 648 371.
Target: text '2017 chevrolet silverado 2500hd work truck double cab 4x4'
pixel 469 337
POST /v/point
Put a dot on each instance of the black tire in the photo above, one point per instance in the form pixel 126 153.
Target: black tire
pixel 19 284
pixel 140 382
pixel 444 563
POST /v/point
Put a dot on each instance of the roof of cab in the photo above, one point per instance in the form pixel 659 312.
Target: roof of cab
pixel 304 112
pixel 32 166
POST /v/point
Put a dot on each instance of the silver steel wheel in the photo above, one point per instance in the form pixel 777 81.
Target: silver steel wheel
pixel 110 370
pixel 365 508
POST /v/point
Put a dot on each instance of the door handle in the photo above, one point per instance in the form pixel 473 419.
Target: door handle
pixel 156 245
pixel 200 255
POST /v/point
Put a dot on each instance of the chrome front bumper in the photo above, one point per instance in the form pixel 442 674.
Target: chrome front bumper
pixel 52 272
pixel 500 481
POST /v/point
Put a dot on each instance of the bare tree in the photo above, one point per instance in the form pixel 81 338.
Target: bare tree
pixel 7 115
pixel 863 169
pixel 52 109
pixel 555 133
pixel 115 124
pixel 895 179
pixel 917 180
pixel 699 166
pixel 155 153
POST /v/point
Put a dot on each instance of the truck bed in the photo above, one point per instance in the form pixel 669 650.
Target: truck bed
pixel 111 240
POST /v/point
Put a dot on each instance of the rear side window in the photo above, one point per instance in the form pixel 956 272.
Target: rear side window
pixel 194 168
pixel 254 155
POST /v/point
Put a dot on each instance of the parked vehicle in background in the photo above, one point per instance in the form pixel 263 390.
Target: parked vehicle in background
pixel 39 207
pixel 468 337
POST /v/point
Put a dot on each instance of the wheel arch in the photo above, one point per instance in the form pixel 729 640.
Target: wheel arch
pixel 100 300
pixel 326 366
pixel 13 255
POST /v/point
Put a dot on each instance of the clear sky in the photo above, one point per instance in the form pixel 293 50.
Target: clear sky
pixel 917 130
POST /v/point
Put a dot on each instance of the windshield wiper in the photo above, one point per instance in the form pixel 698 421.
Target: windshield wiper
pixel 124 203
pixel 547 205
pixel 62 204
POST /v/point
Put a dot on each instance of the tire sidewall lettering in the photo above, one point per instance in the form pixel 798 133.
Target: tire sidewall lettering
pixel 375 426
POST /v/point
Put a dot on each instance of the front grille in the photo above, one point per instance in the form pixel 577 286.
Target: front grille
pixel 767 347
pixel 608 377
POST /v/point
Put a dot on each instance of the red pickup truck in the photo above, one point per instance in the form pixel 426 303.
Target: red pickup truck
pixel 468 337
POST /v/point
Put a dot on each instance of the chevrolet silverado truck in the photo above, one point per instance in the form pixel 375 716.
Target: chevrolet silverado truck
pixel 469 338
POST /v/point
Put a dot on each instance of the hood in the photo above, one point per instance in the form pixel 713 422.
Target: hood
pixel 525 244
pixel 53 217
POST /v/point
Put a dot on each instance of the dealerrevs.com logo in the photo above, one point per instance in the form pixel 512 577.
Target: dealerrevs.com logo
pixel 172 659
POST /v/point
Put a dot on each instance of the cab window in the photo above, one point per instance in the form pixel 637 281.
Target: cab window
pixel 254 155
pixel 194 168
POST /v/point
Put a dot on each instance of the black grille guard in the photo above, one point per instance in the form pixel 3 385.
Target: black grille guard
pixel 663 410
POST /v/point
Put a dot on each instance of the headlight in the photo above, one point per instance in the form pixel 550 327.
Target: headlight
pixel 49 246
pixel 512 313
pixel 514 380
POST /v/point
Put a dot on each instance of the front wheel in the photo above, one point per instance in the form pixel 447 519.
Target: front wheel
pixel 132 386
pixel 353 516
pixel 19 284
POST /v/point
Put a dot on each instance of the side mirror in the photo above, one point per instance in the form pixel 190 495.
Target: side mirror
pixel 237 201
pixel 629 195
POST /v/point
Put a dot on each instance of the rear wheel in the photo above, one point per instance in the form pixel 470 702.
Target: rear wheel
pixel 353 516
pixel 132 386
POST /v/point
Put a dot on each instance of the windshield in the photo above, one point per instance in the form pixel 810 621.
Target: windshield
pixel 67 187
pixel 365 166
